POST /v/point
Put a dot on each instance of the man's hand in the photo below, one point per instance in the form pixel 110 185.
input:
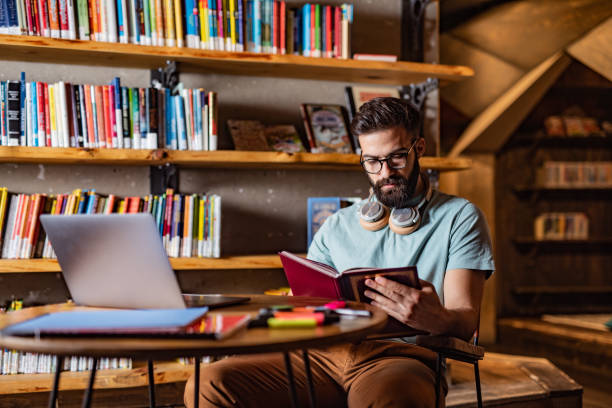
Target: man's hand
pixel 420 309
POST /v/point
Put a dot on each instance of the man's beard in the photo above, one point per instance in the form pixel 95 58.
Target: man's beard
pixel 402 193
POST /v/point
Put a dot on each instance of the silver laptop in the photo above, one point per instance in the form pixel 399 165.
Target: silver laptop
pixel 118 260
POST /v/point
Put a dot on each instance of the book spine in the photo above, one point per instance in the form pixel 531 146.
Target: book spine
pixel 257 9
pixel 40 114
pixel 212 120
pixel 143 111
pixel 3 128
pixel 153 118
pixel 72 28
pixel 13 113
pixel 112 118
pixel 306 30
pixel 43 13
pixel 169 23
pixel 125 118
pixel 159 22
pixel 179 23
pixel 72 124
pixel 153 21
pixel 135 115
pixel 240 13
pixel 118 112
pixel 275 27
pixel 283 27
pixel 220 26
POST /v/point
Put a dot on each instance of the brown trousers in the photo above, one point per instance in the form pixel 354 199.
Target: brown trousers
pixel 369 374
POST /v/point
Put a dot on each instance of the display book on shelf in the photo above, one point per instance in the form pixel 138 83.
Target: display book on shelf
pixel 268 26
pixel 189 224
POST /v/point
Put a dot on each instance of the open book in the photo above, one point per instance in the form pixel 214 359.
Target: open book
pixel 311 278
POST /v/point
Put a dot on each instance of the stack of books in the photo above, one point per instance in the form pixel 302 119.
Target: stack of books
pixel 557 174
pixel 106 116
pixel 267 26
pixel 561 226
pixel 17 362
pixel 190 225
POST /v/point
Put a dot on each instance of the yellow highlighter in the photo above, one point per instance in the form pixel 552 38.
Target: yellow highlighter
pixel 275 323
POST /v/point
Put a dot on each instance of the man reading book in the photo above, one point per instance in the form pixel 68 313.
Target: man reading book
pixel 450 245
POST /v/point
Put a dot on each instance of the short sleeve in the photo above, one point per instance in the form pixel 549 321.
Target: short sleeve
pixel 318 250
pixel 470 242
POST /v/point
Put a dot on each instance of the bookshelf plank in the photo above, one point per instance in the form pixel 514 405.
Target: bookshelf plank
pixel 179 264
pixel 211 159
pixel 105 379
pixel 31 48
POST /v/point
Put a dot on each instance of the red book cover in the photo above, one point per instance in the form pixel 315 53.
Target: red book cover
pixel 328 32
pixel 99 91
pixel 40 93
pixel 283 27
pixel 311 278
pixel 34 227
pixel 133 205
pixel 275 27
pixel 63 17
pixel 29 21
pixel 43 13
pixel 35 17
pixel 26 227
pixel 89 116
pixel 107 121
pixel 47 115
pixel 111 114
pixel 167 217
pixel 338 33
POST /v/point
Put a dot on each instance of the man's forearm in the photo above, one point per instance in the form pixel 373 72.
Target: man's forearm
pixel 457 323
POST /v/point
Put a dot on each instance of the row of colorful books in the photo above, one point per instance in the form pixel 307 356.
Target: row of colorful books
pixel 557 174
pixel 17 362
pixel 190 225
pixel 106 116
pixel 576 126
pixel 561 226
pixel 267 26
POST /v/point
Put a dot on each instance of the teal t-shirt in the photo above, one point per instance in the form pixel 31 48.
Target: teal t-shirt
pixel 453 234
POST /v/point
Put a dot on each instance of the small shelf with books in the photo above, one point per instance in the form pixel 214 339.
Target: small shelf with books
pixel 178 264
pixel 218 158
pixel 32 48
pixel 167 372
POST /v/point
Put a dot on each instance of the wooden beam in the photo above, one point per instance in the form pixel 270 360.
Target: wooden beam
pixel 491 129
pixel 595 49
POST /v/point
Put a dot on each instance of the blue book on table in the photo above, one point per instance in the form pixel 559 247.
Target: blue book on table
pixel 155 322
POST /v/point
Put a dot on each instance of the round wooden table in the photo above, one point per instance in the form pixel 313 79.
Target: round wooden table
pixel 249 341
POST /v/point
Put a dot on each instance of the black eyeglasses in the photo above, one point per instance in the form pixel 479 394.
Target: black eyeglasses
pixel 395 161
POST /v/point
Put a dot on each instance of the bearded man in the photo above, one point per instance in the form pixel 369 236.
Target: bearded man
pixel 404 222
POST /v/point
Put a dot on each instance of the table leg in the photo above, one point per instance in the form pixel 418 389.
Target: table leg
pixel 58 370
pixel 151 372
pixel 89 390
pixel 311 391
pixel 196 387
pixel 292 392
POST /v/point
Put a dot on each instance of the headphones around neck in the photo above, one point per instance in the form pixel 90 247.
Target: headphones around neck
pixel 374 216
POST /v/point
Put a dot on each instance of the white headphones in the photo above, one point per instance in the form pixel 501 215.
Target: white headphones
pixel 374 216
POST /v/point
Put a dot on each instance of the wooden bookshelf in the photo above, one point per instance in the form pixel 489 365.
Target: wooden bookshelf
pixel 218 158
pixel 178 264
pixel 555 290
pixel 33 48
pixel 105 379
pixel 562 242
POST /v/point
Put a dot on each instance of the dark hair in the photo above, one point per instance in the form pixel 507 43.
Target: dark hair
pixel 386 113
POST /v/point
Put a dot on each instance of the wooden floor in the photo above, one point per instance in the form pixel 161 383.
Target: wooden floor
pixel 578 344
pixel 508 381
